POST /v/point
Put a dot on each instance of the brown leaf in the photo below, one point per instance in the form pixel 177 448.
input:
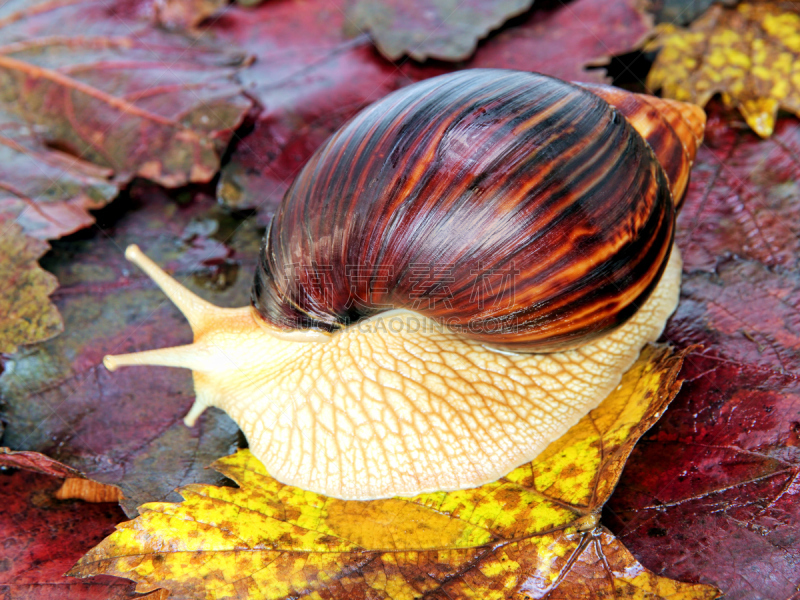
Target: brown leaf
pixel 439 29
pixel 35 461
pixel 26 313
pixel 750 54
pixel 117 92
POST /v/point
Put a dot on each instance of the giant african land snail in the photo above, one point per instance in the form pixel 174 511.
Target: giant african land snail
pixel 470 178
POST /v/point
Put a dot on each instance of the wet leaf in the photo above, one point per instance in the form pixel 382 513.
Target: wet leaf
pixel 37 462
pixel 48 192
pixel 711 494
pixel 750 54
pixel 532 533
pixel 740 235
pixel 125 429
pixel 683 12
pixel 439 29
pixel 186 14
pixel 43 536
pixel 743 196
pixel 81 113
pixel 26 313
pixel 75 484
pixel 118 92
pixel 311 75
pixel 570 41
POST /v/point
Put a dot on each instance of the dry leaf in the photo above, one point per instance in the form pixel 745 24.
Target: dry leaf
pixel 532 534
pixel 43 534
pixel 440 29
pixel 26 313
pixel 75 486
pixel 117 91
pixel 750 54
pixel 37 462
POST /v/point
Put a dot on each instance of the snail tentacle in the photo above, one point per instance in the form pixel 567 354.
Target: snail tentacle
pixel 196 310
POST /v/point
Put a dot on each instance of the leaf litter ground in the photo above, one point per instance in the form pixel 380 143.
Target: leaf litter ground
pixel 729 238
pixel 126 429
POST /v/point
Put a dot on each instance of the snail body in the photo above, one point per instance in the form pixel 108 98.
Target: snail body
pixel 453 280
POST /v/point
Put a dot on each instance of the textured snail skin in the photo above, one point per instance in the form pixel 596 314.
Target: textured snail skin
pixel 399 404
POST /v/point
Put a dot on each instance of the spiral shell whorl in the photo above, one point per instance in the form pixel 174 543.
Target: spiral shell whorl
pixel 517 209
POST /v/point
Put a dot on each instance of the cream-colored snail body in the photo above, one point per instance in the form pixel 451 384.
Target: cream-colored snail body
pixel 454 279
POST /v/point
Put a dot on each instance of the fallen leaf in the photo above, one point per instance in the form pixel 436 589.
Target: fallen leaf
pixel 26 313
pixel 711 493
pixel 124 429
pixel 84 112
pixel 744 194
pixel 768 337
pixel 37 462
pixel 683 12
pixel 310 76
pixel 533 533
pixel 439 29
pixel 750 54
pixel 48 192
pixel 186 14
pixel 118 92
pixel 739 233
pixel 74 486
pixel 570 41
pixel 43 537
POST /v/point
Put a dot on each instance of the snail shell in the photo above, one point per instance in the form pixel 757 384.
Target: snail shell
pixel 385 352
pixel 522 211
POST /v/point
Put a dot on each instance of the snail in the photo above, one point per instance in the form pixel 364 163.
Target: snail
pixel 456 277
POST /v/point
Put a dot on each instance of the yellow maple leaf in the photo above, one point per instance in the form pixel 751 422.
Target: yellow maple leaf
pixel 749 54
pixel 532 534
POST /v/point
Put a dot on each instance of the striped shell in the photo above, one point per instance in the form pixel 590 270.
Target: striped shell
pixel 519 210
